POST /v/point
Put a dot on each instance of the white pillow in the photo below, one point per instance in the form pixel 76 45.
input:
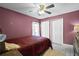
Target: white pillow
pixel 10 46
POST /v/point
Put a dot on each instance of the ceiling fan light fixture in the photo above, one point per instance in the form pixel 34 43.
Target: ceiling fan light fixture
pixel 41 12
pixel 42 8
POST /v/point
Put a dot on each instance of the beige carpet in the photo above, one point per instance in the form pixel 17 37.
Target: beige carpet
pixel 12 53
pixel 51 52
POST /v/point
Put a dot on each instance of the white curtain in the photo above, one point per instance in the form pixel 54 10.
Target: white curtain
pixel 45 29
pixel 35 29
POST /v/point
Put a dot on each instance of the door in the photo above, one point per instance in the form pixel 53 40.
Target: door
pixel 56 27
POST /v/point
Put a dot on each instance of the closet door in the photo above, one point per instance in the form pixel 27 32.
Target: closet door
pixel 45 29
pixel 56 31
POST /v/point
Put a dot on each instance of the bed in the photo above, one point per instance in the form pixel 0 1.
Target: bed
pixel 31 45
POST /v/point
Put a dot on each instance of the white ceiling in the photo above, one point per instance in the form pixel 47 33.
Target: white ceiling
pixel 31 9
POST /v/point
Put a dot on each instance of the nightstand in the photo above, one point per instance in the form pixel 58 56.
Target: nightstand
pixel 2 47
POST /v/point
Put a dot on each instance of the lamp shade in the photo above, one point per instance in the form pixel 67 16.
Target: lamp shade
pixel 2 37
pixel 76 28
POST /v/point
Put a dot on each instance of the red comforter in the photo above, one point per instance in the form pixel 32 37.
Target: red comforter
pixel 31 45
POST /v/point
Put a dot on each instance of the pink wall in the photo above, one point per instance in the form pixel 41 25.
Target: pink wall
pixel 15 24
pixel 69 20
pixel 18 25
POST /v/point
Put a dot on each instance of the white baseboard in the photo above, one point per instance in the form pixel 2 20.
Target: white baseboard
pixel 62 44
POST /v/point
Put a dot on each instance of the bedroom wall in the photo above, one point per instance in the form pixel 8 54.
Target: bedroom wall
pixel 69 20
pixel 14 24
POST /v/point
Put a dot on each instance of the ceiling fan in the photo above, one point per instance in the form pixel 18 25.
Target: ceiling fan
pixel 43 8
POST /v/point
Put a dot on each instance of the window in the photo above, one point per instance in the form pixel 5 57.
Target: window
pixel 35 29
pixel 45 29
